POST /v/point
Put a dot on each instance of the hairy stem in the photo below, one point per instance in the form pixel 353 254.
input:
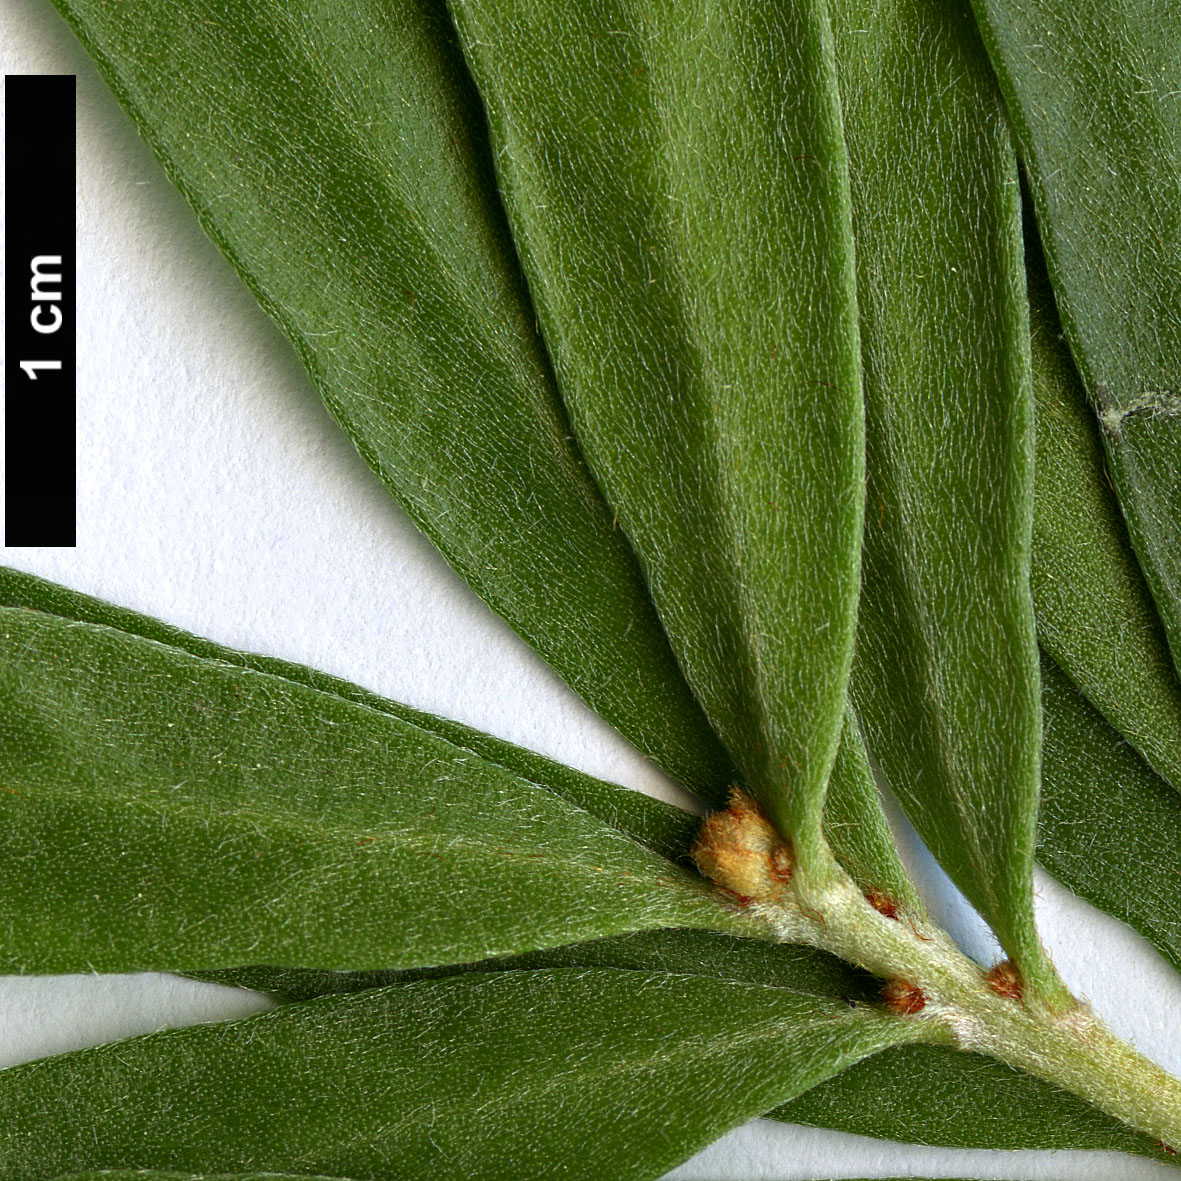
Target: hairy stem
pixel 932 981
pixel 1051 1035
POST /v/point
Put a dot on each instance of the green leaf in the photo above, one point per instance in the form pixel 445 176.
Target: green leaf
pixel 855 824
pixel 675 178
pixel 338 157
pixel 682 951
pixel 412 448
pixel 488 1075
pixel 1144 450
pixel 945 679
pixel 173 812
pixel 941 1097
pixel 856 827
pixel 166 1175
pixel 1095 101
pixel 919 1094
pixel 1110 828
pixel 662 827
pixel 1095 615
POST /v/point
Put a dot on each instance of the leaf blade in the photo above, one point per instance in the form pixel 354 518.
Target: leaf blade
pixel 654 1067
pixel 342 836
pixel 680 951
pixel 945 678
pixel 946 1098
pixel 1110 828
pixel 1095 111
pixel 857 827
pixel 717 398
pixel 918 1094
pixel 338 159
pixel 1096 616
pixel 662 827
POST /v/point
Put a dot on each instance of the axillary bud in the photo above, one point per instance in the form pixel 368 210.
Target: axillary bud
pixel 739 850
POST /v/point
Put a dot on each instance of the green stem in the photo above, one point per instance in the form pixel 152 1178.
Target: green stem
pixel 1061 1042
pixel 1079 1053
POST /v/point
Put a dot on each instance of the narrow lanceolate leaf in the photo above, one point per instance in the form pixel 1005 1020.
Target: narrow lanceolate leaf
pixel 857 829
pixel 488 1076
pixel 936 1096
pixel 1095 99
pixel 946 678
pixel 337 155
pixel 675 178
pixel 168 1175
pixel 1110 828
pixel 1095 615
pixel 162 810
pixel 920 1094
pixel 663 828
pixel 689 952
pixel 1145 455
pixel 854 821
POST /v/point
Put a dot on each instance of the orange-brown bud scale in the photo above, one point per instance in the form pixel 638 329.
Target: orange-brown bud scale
pixel 1004 980
pixel 739 850
pixel 882 904
pixel 904 998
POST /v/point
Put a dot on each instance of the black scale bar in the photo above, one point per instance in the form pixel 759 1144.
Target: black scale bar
pixel 40 347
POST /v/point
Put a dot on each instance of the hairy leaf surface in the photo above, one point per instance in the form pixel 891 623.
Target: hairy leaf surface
pixel 675 177
pixel 476 1075
pixel 172 812
pixel 684 951
pixel 946 672
pixel 337 156
pixel 1110 828
pixel 920 1094
pixel 665 829
pixel 857 828
pixel 943 1097
pixel 1095 99
pixel 1095 614
pixel 167 1175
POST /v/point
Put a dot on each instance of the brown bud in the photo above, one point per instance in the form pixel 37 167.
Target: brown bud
pixel 882 904
pixel 739 850
pixel 904 998
pixel 1004 981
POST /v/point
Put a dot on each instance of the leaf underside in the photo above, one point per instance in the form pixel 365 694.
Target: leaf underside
pixel 704 952
pixel 170 1175
pixel 856 825
pixel 945 679
pixel 176 812
pixel 919 1094
pixel 356 129
pixel 649 153
pixel 665 829
pixel 135 758
pixel 490 1075
pixel 1096 109
pixel 1110 827
pixel 1095 614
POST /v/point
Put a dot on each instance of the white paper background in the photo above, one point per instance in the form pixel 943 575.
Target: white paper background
pixel 215 493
